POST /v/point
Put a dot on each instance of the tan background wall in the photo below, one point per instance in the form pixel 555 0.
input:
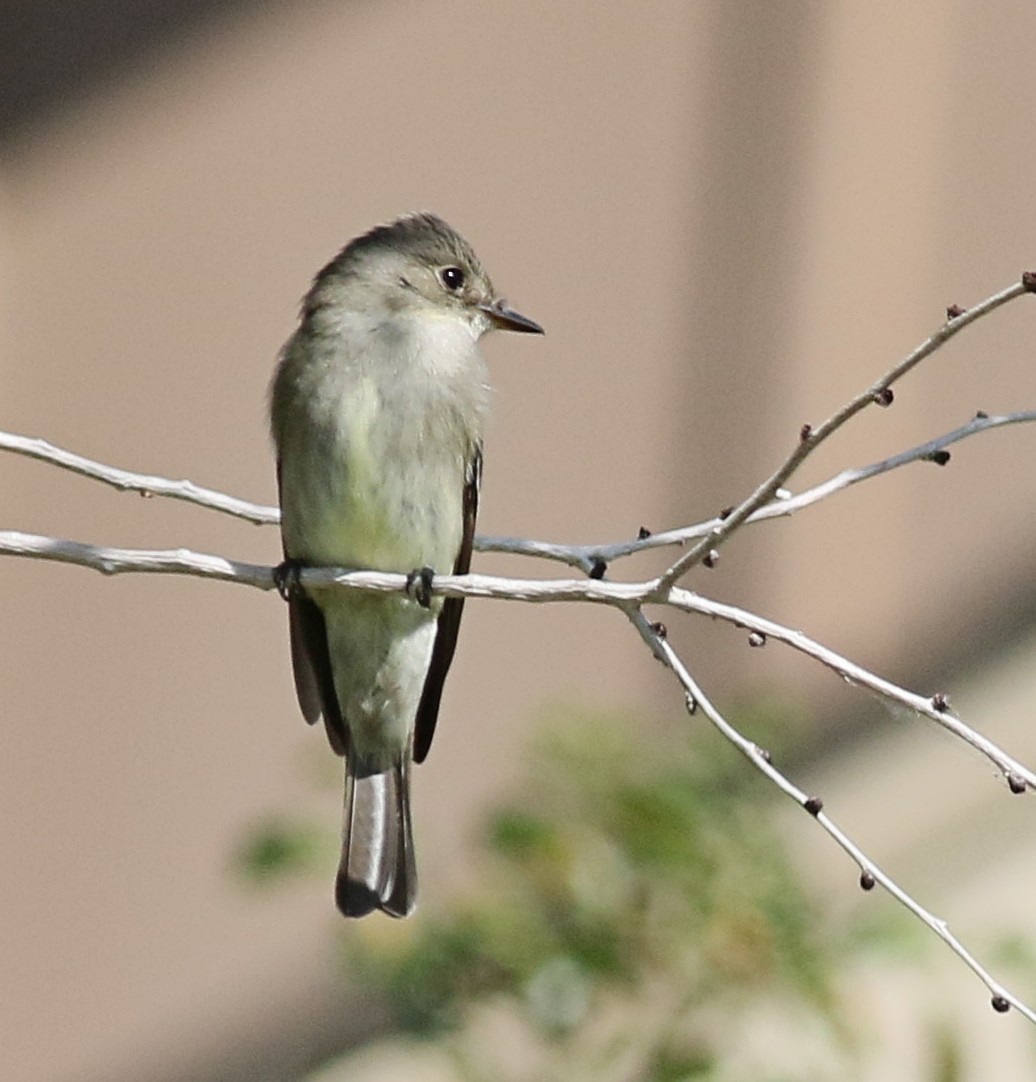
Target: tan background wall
pixel 728 216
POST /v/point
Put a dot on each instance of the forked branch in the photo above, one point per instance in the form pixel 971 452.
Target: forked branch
pixel 767 501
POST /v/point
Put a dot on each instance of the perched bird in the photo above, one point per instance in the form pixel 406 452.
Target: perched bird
pixel 377 408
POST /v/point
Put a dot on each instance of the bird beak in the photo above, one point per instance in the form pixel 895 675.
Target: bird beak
pixel 508 320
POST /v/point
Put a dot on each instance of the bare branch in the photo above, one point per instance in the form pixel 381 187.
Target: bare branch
pixel 583 557
pixel 627 596
pixel 810 437
pixel 766 502
pixel 118 561
pixel 932 707
pixel 696 698
pixel 145 484
pixel 115 561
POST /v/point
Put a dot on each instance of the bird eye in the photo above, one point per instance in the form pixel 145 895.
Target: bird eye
pixel 452 278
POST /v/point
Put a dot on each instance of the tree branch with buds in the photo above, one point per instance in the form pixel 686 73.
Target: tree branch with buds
pixel 767 501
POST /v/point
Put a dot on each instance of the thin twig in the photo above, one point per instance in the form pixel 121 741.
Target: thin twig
pixel 116 561
pixel 760 505
pixel 627 596
pixel 585 557
pixel 1017 775
pixel 697 700
pixel 810 437
pixel 144 483
pixel 582 557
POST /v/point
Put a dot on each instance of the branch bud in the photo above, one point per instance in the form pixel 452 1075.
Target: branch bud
pixel 1015 782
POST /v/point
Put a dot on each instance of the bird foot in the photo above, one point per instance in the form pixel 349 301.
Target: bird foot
pixel 286 579
pixel 419 586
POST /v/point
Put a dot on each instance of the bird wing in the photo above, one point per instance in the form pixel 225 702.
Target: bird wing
pixel 449 618
pixel 311 663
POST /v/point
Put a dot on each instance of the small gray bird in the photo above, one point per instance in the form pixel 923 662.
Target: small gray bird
pixel 377 407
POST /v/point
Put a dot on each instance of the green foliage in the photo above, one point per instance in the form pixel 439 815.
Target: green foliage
pixel 637 921
pixel 631 870
pixel 278 849
pixel 947 1065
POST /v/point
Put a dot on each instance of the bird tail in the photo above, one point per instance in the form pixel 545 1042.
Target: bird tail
pixel 377 869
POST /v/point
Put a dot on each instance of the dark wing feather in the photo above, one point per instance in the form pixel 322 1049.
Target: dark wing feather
pixel 311 665
pixel 311 662
pixel 449 619
pixel 307 685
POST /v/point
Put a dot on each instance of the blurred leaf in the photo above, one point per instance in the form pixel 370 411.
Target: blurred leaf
pixel 278 849
pixel 629 862
pixel 687 1068
pixel 947 1057
pixel 1017 951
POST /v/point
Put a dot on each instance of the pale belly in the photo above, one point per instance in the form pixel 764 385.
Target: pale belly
pixel 408 521
pixel 369 499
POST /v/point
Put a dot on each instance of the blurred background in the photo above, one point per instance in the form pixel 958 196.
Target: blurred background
pixel 729 217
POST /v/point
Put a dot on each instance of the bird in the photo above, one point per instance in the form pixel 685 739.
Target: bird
pixel 377 409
